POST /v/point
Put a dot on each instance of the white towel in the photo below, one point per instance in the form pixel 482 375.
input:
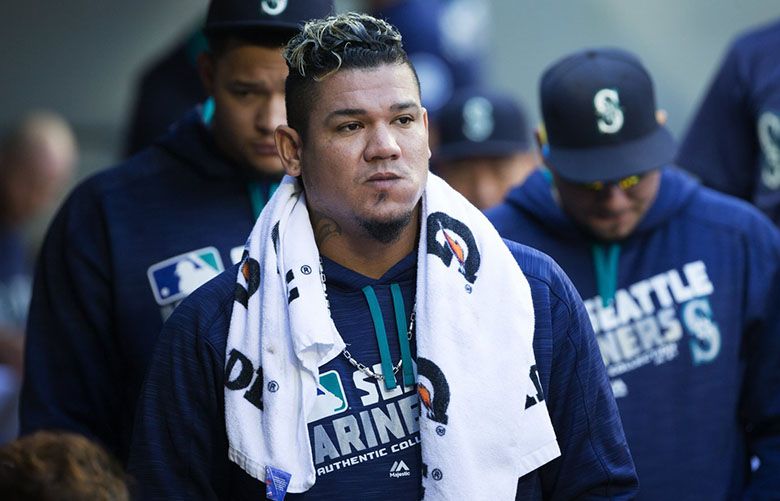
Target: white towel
pixel 483 423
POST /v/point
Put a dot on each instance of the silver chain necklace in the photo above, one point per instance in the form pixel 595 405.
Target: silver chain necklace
pixel 359 366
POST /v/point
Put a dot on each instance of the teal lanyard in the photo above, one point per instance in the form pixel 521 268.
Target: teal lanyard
pixel 259 197
pixel 605 260
pixel 403 336
pixel 381 336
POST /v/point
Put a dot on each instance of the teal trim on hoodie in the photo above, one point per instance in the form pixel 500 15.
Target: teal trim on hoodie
pixel 381 337
pixel 259 195
pixel 606 258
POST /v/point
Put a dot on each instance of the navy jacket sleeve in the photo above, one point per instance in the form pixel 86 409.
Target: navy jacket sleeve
pixel 760 402
pixel 73 372
pixel 720 146
pixel 179 439
pixel 595 461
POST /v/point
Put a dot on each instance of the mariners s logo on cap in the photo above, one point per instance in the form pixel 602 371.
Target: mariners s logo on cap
pixel 478 122
pixel 769 138
pixel 608 111
pixel 273 7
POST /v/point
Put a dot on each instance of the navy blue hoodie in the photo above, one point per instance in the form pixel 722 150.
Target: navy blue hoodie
pixel 733 143
pixel 368 445
pixel 690 335
pixel 127 245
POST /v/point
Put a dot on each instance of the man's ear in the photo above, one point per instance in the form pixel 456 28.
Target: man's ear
pixel 290 148
pixel 206 68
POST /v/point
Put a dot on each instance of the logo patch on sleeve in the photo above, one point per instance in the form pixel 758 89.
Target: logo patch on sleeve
pixel 177 277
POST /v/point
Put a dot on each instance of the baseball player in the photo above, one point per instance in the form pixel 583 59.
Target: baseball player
pixel 131 242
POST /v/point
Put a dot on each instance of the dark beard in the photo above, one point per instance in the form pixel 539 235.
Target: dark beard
pixel 386 231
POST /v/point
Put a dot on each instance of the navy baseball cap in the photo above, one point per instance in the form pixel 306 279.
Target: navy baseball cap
pixel 273 15
pixel 599 112
pixel 479 122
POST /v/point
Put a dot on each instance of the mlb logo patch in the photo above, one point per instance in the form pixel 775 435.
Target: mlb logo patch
pixel 331 399
pixel 176 278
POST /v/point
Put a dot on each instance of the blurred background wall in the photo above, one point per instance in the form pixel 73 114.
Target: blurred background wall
pixel 82 57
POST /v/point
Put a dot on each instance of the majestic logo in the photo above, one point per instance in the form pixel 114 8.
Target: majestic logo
pixel 399 469
pixel 608 110
pixel 433 389
pixel 175 278
pixel 769 138
pixel 478 122
pixel 447 238
pixel 331 398
pixel 273 7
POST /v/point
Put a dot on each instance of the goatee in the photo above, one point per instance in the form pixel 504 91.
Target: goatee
pixel 386 231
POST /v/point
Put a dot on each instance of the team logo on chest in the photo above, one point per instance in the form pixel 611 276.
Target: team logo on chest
pixel 177 277
pixel 450 239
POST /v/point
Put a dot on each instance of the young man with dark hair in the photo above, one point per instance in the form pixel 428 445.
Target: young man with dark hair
pixel 378 340
pixel 680 282
pixel 131 242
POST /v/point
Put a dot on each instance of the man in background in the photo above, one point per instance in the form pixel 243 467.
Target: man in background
pixel 131 242
pixel 484 145
pixel 37 160
pixel 733 143
pixel 680 282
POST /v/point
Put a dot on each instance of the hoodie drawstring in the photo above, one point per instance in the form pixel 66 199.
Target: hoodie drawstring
pixel 403 334
pixel 381 336
pixel 605 260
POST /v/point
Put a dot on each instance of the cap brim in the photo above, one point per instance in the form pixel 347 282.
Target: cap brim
pixel 608 163
pixel 238 26
pixel 467 149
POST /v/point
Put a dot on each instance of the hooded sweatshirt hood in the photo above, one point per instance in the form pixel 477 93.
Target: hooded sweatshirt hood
pixel 535 198
pixel 190 140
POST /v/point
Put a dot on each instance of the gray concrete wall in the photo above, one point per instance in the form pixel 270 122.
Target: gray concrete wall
pixel 679 41
pixel 81 57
